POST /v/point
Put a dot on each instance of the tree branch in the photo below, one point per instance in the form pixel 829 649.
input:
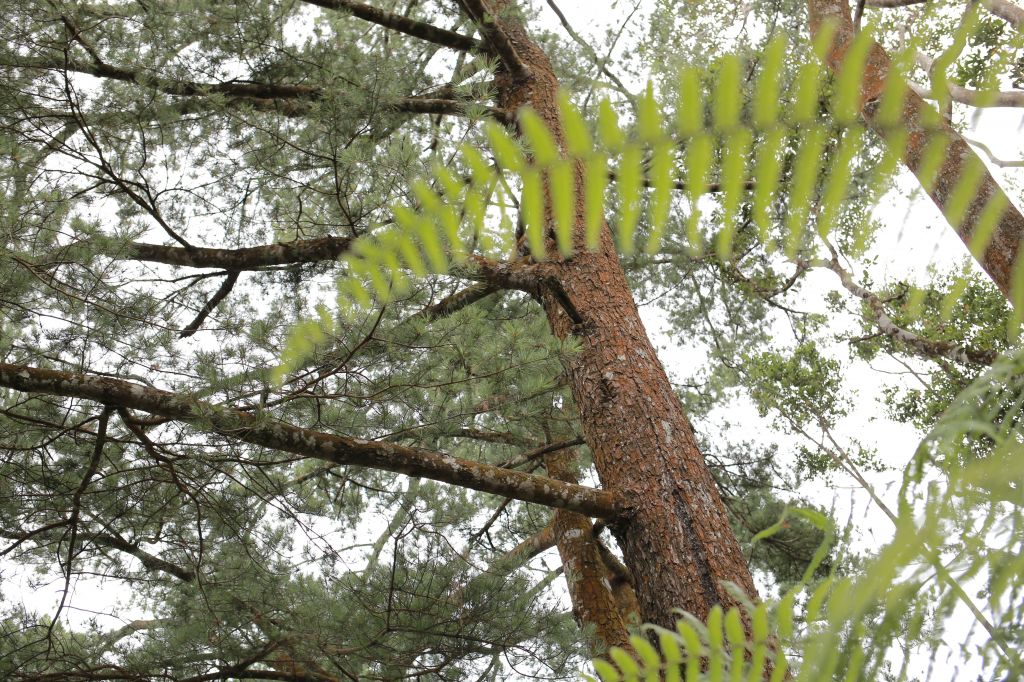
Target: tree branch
pixel 1007 11
pixel 286 99
pixel 396 22
pixel 336 449
pixel 225 288
pixel 974 98
pixel 463 298
pixel 249 258
pixel 891 4
pixel 919 345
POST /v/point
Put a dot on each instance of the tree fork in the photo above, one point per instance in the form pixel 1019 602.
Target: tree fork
pixel 593 602
pixel 677 543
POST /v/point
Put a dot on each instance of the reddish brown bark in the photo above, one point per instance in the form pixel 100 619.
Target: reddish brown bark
pixel 676 541
pixel 593 601
pixel 923 128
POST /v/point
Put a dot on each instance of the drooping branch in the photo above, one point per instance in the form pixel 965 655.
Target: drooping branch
pixel 397 22
pixel 149 561
pixel 52 533
pixel 928 348
pixel 995 160
pixel 248 428
pixel 222 292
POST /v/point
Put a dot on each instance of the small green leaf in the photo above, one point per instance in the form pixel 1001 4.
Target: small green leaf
pixel 965 190
pixel 608 131
pixel 767 171
pixel 577 135
pixel 698 164
pixel 805 176
pixel 630 183
pixel 733 182
pixel 785 613
pixel 759 623
pixel 626 663
pixel 734 629
pixel 538 135
pixel 532 212
pixel 808 83
pixel 690 109
pixel 662 165
pixel 648 118
pixel 606 671
pixel 726 102
pixel 563 199
pixel 766 92
pixel 480 172
pixel 505 149
pixel 670 649
pixel 848 87
pixel 817 600
pixel 596 174
pixel 646 653
pixel 837 182
pixel 715 618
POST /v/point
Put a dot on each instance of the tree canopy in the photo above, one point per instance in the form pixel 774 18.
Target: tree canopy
pixel 321 355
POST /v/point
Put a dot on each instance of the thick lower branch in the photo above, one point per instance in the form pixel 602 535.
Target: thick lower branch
pixel 332 448
pixel 250 258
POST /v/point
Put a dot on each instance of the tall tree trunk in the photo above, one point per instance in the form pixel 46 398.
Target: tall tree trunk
pixel 676 540
pixel 924 128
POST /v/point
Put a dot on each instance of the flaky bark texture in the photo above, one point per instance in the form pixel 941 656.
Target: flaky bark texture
pixel 676 540
pixel 924 128
pixel 593 602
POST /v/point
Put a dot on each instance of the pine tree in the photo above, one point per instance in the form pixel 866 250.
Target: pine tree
pixel 292 490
